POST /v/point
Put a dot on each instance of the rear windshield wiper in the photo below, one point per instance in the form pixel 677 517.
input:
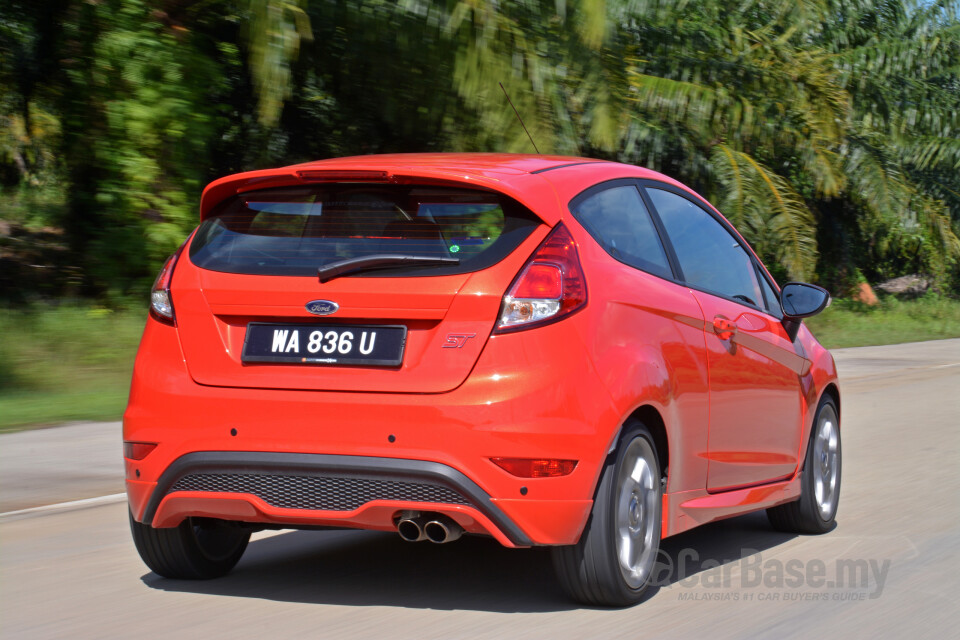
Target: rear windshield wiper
pixel 379 261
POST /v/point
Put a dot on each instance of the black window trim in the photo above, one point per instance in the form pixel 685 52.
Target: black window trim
pixel 632 182
pixel 763 293
pixel 664 236
pixel 646 183
pixel 772 285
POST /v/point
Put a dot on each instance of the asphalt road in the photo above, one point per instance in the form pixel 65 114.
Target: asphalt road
pixel 888 569
pixel 47 466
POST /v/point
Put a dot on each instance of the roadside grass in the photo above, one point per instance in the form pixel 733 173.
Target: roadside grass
pixel 74 361
pixel 852 324
pixel 65 363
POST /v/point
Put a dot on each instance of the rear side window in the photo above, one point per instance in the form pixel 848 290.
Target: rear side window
pixel 295 231
pixel 710 257
pixel 618 220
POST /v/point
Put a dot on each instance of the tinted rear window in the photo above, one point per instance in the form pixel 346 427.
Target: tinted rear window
pixel 617 218
pixel 294 231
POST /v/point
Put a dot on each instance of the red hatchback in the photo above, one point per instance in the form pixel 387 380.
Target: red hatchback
pixel 545 350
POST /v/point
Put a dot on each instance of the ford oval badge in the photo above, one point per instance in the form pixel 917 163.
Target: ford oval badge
pixel 322 307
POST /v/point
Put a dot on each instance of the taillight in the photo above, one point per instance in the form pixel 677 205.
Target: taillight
pixel 549 287
pixel 161 304
pixel 536 467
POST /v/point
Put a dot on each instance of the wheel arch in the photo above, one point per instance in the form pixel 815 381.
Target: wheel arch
pixel 653 421
pixel 833 392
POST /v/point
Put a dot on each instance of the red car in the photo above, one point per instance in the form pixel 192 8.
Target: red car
pixel 546 350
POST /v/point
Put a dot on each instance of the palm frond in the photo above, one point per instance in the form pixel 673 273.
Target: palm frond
pixel 929 152
pixel 877 183
pixel 274 32
pixel 771 214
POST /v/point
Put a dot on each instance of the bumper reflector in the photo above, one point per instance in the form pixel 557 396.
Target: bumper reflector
pixel 138 450
pixel 536 467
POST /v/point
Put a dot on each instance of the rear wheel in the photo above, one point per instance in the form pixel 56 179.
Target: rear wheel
pixel 612 563
pixel 197 549
pixel 816 509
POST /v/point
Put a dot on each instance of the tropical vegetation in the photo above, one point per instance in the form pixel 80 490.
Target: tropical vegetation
pixel 827 130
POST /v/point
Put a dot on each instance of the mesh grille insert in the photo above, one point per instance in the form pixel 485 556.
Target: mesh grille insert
pixel 311 492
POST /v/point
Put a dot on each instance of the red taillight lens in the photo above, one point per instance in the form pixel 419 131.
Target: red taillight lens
pixel 161 304
pixel 536 467
pixel 138 450
pixel 549 287
pixel 540 281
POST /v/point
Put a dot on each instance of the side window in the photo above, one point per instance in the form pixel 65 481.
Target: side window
pixel 618 220
pixel 709 256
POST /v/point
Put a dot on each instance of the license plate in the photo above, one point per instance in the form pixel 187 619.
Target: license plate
pixel 374 346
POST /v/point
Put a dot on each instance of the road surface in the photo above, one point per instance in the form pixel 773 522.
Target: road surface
pixel 888 569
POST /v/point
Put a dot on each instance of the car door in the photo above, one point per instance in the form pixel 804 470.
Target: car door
pixel 754 368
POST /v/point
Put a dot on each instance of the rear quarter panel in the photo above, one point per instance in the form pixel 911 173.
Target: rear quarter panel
pixel 645 338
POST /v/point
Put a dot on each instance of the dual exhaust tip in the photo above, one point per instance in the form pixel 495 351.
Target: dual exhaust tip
pixel 435 527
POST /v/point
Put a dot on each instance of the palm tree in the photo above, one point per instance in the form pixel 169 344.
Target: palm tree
pixel 726 100
pixel 899 62
pixel 781 112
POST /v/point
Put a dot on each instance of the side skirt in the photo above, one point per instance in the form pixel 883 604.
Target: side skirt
pixel 688 509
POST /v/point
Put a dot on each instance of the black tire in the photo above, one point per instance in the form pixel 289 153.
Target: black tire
pixel 591 571
pixel 198 549
pixel 815 511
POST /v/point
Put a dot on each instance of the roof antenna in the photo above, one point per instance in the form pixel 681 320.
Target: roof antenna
pixel 520 119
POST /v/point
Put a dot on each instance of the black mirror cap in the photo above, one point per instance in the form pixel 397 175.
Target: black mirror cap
pixel 802 300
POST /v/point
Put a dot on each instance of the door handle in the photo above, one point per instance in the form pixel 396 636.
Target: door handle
pixel 724 327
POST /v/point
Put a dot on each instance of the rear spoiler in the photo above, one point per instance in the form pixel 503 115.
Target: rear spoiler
pixel 219 190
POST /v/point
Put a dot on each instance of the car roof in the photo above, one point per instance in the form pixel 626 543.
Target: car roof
pixel 508 163
pixel 517 175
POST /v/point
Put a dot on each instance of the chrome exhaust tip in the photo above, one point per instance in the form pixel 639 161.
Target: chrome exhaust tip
pixel 411 527
pixel 442 529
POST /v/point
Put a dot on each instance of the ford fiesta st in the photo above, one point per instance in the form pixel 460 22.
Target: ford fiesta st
pixel 546 350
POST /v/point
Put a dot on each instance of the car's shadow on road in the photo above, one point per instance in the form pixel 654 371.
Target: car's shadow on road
pixel 362 568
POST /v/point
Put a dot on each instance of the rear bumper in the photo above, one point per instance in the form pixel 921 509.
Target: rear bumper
pixel 332 486
pixel 520 401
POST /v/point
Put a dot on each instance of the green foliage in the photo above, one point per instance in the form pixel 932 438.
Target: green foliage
pixel 765 208
pixel 71 362
pixel 827 130
pixel 50 348
pixel 899 63
pixel 852 324
pixel 142 110
pixel 274 32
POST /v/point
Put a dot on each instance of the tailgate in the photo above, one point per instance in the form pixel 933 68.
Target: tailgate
pixel 445 316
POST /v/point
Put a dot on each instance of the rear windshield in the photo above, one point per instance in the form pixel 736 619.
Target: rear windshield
pixel 294 231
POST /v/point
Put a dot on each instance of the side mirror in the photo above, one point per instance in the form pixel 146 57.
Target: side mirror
pixel 801 300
